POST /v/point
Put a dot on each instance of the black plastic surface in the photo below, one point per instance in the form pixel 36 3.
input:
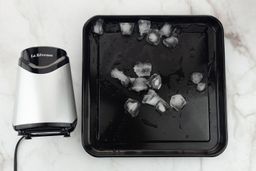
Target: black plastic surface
pixel 198 130
pixel 45 128
pixel 43 58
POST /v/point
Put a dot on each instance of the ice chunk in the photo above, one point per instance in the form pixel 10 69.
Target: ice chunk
pixel 196 77
pixel 166 30
pixel 153 37
pixel 201 86
pixel 132 107
pixel 98 27
pixel 151 98
pixel 144 26
pixel 115 73
pixel 132 80
pixel 155 81
pixel 177 102
pixel 142 69
pixel 139 84
pixel 126 28
pixel 160 106
pixel 171 42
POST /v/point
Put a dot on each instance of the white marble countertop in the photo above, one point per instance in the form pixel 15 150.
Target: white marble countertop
pixel 59 23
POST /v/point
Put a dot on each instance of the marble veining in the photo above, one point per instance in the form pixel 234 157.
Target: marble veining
pixel 59 23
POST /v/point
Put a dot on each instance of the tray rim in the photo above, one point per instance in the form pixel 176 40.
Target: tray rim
pixel 217 150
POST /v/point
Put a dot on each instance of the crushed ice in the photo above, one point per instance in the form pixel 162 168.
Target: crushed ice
pixel 145 82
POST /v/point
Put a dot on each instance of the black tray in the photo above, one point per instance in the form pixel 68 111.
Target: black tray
pixel 200 129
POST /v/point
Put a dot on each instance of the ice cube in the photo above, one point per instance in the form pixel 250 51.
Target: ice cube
pixel 126 28
pixel 144 26
pixel 98 27
pixel 115 73
pixel 166 30
pixel 151 98
pixel 196 77
pixel 155 81
pixel 160 106
pixel 139 84
pixel 177 102
pixel 153 37
pixel 171 42
pixel 142 69
pixel 132 107
pixel 201 86
pixel 132 80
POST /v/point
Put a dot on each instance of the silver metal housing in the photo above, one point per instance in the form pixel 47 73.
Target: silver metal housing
pixel 44 98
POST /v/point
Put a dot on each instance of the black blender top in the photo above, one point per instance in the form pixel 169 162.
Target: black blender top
pixel 43 60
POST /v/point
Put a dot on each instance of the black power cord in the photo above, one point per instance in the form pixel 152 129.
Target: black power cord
pixel 16 153
pixel 29 136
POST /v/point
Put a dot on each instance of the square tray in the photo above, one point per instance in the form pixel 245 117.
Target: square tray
pixel 199 129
